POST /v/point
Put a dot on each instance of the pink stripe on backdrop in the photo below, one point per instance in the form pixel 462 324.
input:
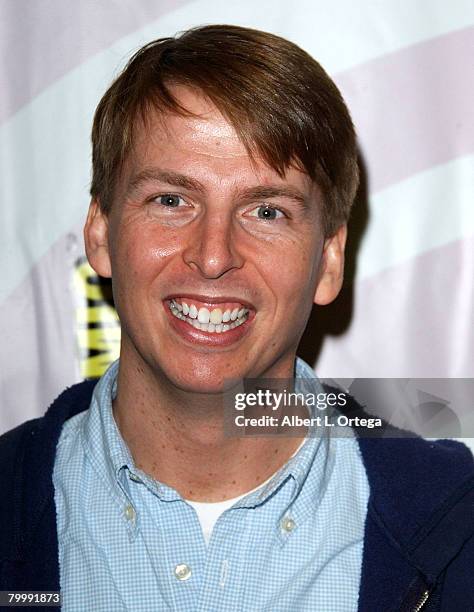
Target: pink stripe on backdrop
pixel 414 320
pixel 42 41
pixel 413 109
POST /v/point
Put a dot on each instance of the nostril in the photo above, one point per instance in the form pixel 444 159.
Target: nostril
pixel 212 251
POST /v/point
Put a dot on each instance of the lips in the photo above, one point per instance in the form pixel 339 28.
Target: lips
pixel 214 317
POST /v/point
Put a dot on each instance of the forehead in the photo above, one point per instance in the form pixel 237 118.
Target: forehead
pixel 204 132
pixel 203 143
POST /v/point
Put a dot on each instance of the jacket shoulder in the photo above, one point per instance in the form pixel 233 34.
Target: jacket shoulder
pixel 71 401
pixel 28 544
pixel 410 478
pixel 422 492
pixel 11 450
pixel 27 452
pixel 419 534
pixel 401 467
pixel 10 441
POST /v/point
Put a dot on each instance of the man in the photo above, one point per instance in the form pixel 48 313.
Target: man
pixel 224 170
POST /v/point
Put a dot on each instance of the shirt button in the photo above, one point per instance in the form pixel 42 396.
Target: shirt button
pixel 182 571
pixel 129 513
pixel 288 524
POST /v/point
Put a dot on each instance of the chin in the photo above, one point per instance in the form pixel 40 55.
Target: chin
pixel 209 385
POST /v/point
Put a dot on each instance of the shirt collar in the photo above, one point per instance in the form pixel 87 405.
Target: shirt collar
pixel 103 442
pixel 112 458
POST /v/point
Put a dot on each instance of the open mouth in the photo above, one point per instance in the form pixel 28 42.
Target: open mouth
pixel 215 320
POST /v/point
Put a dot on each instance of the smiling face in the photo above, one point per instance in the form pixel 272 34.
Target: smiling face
pixel 216 260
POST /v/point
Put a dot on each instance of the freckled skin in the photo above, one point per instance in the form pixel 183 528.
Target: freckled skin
pixel 213 243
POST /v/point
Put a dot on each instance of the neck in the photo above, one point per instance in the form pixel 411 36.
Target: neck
pixel 178 437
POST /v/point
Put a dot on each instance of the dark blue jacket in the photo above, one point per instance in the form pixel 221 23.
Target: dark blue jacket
pixel 419 533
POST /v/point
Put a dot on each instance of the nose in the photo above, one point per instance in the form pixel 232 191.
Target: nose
pixel 211 248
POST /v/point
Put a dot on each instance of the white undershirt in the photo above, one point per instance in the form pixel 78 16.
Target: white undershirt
pixel 209 512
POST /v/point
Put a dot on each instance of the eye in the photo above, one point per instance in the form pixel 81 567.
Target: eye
pixel 169 200
pixel 267 213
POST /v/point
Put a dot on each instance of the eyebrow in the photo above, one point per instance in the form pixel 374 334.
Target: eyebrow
pixel 176 179
pixel 264 192
pixel 164 176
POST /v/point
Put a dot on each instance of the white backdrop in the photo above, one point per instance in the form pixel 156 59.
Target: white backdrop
pixel 405 69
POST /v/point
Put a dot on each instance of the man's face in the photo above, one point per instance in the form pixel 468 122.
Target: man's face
pixel 216 260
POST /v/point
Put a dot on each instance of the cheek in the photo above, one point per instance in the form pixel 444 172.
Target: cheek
pixel 139 248
pixel 141 253
pixel 291 267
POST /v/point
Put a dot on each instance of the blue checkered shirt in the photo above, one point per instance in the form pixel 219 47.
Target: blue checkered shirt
pixel 128 542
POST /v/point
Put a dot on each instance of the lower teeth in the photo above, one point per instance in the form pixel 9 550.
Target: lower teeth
pixel 208 327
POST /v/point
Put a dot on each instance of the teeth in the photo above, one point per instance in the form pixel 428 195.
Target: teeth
pixel 203 315
pixel 214 321
pixel 216 316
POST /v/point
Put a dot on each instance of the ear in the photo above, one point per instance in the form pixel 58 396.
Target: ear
pixel 332 268
pixel 96 234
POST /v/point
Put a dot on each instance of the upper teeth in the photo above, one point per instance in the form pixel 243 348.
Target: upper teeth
pixel 209 320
